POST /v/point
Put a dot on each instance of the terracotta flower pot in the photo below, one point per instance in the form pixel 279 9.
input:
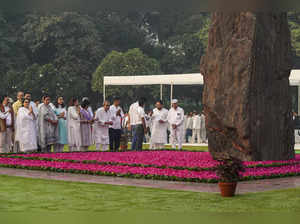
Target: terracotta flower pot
pixel 227 189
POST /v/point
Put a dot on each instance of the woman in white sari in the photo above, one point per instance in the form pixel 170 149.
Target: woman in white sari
pixel 26 131
pixel 73 122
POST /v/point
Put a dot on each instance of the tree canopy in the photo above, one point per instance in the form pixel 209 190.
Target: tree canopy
pixel 130 63
pixel 67 53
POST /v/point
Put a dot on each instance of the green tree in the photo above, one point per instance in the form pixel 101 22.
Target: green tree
pixel 121 32
pixel 12 57
pixel 42 80
pixel 71 43
pixel 183 54
pixel 294 22
pixel 131 63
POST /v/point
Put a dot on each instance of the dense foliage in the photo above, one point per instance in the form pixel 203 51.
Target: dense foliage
pixel 58 53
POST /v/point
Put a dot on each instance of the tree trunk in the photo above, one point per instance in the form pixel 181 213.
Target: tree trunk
pixel 246 96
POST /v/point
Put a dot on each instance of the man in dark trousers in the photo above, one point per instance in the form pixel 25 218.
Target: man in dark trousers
pixel 115 130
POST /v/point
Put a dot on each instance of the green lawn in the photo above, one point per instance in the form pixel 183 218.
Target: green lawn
pixel 24 194
pixel 146 146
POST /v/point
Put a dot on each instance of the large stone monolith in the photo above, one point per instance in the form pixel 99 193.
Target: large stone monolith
pixel 246 94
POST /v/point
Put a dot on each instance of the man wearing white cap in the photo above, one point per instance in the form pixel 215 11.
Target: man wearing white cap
pixel 176 119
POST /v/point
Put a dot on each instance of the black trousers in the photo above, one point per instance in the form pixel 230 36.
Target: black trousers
pixel 140 135
pixel 46 149
pixel 114 139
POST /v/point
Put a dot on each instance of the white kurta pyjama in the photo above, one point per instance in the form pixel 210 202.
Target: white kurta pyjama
pixel 159 130
pixel 101 133
pixel 176 117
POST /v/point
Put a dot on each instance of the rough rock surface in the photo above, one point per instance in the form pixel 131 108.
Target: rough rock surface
pixel 246 95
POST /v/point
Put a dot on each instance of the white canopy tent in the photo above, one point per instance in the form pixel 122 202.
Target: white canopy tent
pixel 176 79
pixel 184 79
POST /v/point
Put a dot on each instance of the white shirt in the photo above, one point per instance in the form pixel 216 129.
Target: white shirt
pixel 176 116
pixel 189 122
pixel 140 115
pixel 103 116
pixel 197 122
pixel 133 113
pixel 117 120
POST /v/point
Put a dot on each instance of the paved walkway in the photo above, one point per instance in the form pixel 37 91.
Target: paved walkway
pixel 243 187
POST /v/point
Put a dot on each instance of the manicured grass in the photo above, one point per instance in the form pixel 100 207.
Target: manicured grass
pixel 146 146
pixel 25 194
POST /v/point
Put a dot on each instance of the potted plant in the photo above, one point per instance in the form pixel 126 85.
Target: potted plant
pixel 228 171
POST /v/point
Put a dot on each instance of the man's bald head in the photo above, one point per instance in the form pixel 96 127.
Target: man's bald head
pixel 106 105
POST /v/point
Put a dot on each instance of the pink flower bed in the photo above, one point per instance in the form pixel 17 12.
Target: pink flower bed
pixel 171 159
pixel 157 158
pixel 145 172
pixel 109 169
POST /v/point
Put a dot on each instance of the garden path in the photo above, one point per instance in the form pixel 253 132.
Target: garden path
pixel 243 187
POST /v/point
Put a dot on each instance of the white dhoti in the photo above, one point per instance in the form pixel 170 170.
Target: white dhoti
pixel 101 137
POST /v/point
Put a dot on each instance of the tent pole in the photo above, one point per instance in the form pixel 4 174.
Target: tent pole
pixel 104 95
pixel 171 97
pixel 298 100
pixel 161 91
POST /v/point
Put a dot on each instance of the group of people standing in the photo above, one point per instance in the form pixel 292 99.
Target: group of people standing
pixel 161 121
pixel 195 128
pixel 27 126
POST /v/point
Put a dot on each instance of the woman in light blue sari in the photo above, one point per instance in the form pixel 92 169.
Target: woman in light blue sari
pixel 61 113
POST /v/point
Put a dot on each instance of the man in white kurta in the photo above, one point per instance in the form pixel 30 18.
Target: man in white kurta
pixel 175 119
pixel 196 128
pixel 159 126
pixel 103 119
